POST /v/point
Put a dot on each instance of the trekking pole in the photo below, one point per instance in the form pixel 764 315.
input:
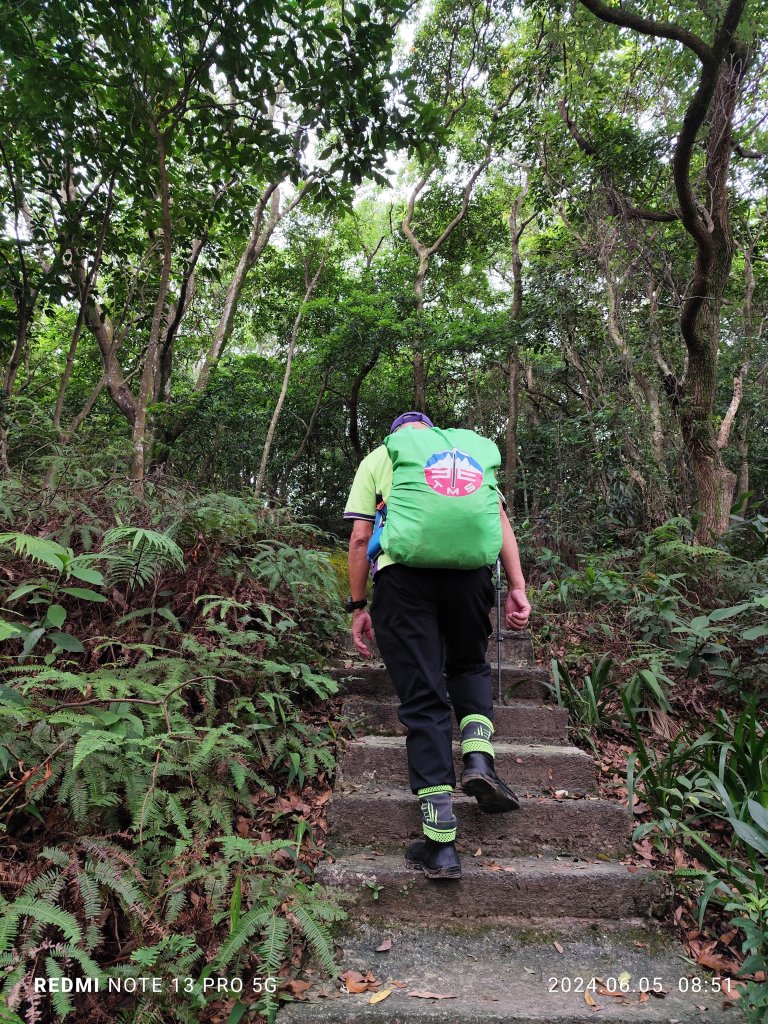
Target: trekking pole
pixel 498 623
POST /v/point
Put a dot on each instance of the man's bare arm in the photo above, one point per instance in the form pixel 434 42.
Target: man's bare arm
pixel 357 561
pixel 517 608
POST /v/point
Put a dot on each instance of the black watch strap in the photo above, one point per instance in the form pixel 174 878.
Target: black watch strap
pixel 351 606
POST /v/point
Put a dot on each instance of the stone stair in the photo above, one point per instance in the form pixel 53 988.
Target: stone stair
pixel 548 902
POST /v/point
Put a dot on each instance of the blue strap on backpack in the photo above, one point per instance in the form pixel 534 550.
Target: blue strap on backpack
pixel 374 544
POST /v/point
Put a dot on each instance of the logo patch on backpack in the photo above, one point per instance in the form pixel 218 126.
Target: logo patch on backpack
pixel 453 473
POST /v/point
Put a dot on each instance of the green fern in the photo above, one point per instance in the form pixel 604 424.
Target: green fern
pixel 250 924
pixel 38 549
pixel 318 937
pixel 42 914
pixel 137 556
pixel 272 951
pixel 62 1002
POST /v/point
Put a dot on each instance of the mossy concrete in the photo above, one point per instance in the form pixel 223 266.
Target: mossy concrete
pixel 516 976
pixel 525 721
pixel 526 767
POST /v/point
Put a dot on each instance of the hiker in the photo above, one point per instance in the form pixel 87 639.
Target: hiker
pixel 424 506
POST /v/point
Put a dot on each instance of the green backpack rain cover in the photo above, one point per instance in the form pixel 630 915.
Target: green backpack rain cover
pixel 443 510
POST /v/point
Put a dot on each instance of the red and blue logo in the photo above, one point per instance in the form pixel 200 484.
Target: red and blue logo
pixel 453 473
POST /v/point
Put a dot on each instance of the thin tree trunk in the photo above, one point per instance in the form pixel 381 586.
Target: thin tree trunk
pixel 354 398
pixel 569 346
pixel 260 234
pixel 425 252
pixel 295 458
pixel 513 406
pixel 22 332
pixel 141 434
pixel 742 447
pixel 261 476
pixel 90 278
pixel 516 230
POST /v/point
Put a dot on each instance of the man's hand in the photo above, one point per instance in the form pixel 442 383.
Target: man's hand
pixel 516 610
pixel 362 630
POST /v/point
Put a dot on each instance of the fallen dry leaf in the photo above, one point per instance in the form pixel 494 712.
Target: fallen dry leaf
pixel 296 987
pixel 589 1000
pixel 478 852
pixel 353 987
pixel 379 996
pixel 602 991
pixel 398 984
pixel 716 962
pixel 644 997
pixel 386 944
pixel 355 982
pixel 431 995
pixel 732 991
pixel 558 947
pixel 529 970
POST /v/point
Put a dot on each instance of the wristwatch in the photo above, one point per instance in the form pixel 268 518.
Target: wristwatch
pixel 350 605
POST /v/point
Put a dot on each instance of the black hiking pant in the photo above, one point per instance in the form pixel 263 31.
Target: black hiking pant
pixel 432 628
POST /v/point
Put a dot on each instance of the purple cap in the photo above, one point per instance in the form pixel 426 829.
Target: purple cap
pixel 410 417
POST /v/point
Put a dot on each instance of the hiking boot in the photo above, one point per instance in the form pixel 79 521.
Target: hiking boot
pixel 436 860
pixel 480 781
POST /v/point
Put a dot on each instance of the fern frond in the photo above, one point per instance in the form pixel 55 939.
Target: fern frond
pixel 46 886
pixel 38 549
pixel 239 848
pixel 41 913
pixel 62 1002
pixel 318 937
pixel 57 857
pixel 248 926
pixel 273 950
pixel 174 906
pixel 89 893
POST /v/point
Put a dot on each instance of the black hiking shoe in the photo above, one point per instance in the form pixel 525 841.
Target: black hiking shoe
pixel 436 860
pixel 480 781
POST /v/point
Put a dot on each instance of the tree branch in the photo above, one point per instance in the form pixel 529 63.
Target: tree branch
pixel 648 27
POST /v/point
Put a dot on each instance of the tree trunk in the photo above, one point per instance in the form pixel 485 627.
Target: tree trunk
pixel 511 459
pixel 141 428
pixel 742 447
pixel 257 241
pixel 311 285
pixel 419 368
pixel 25 306
pixel 706 219
pixel 354 399
pixel 425 252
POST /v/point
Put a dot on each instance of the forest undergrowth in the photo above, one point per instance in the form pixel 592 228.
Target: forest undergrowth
pixel 167 746
pixel 659 654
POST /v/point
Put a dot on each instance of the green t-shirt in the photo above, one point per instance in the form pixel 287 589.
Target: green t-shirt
pixel 373 476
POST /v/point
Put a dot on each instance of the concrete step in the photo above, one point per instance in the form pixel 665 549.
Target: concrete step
pixel 516 647
pixel 525 767
pixel 370 680
pixel 525 887
pixel 514 976
pixel 527 721
pixel 387 819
